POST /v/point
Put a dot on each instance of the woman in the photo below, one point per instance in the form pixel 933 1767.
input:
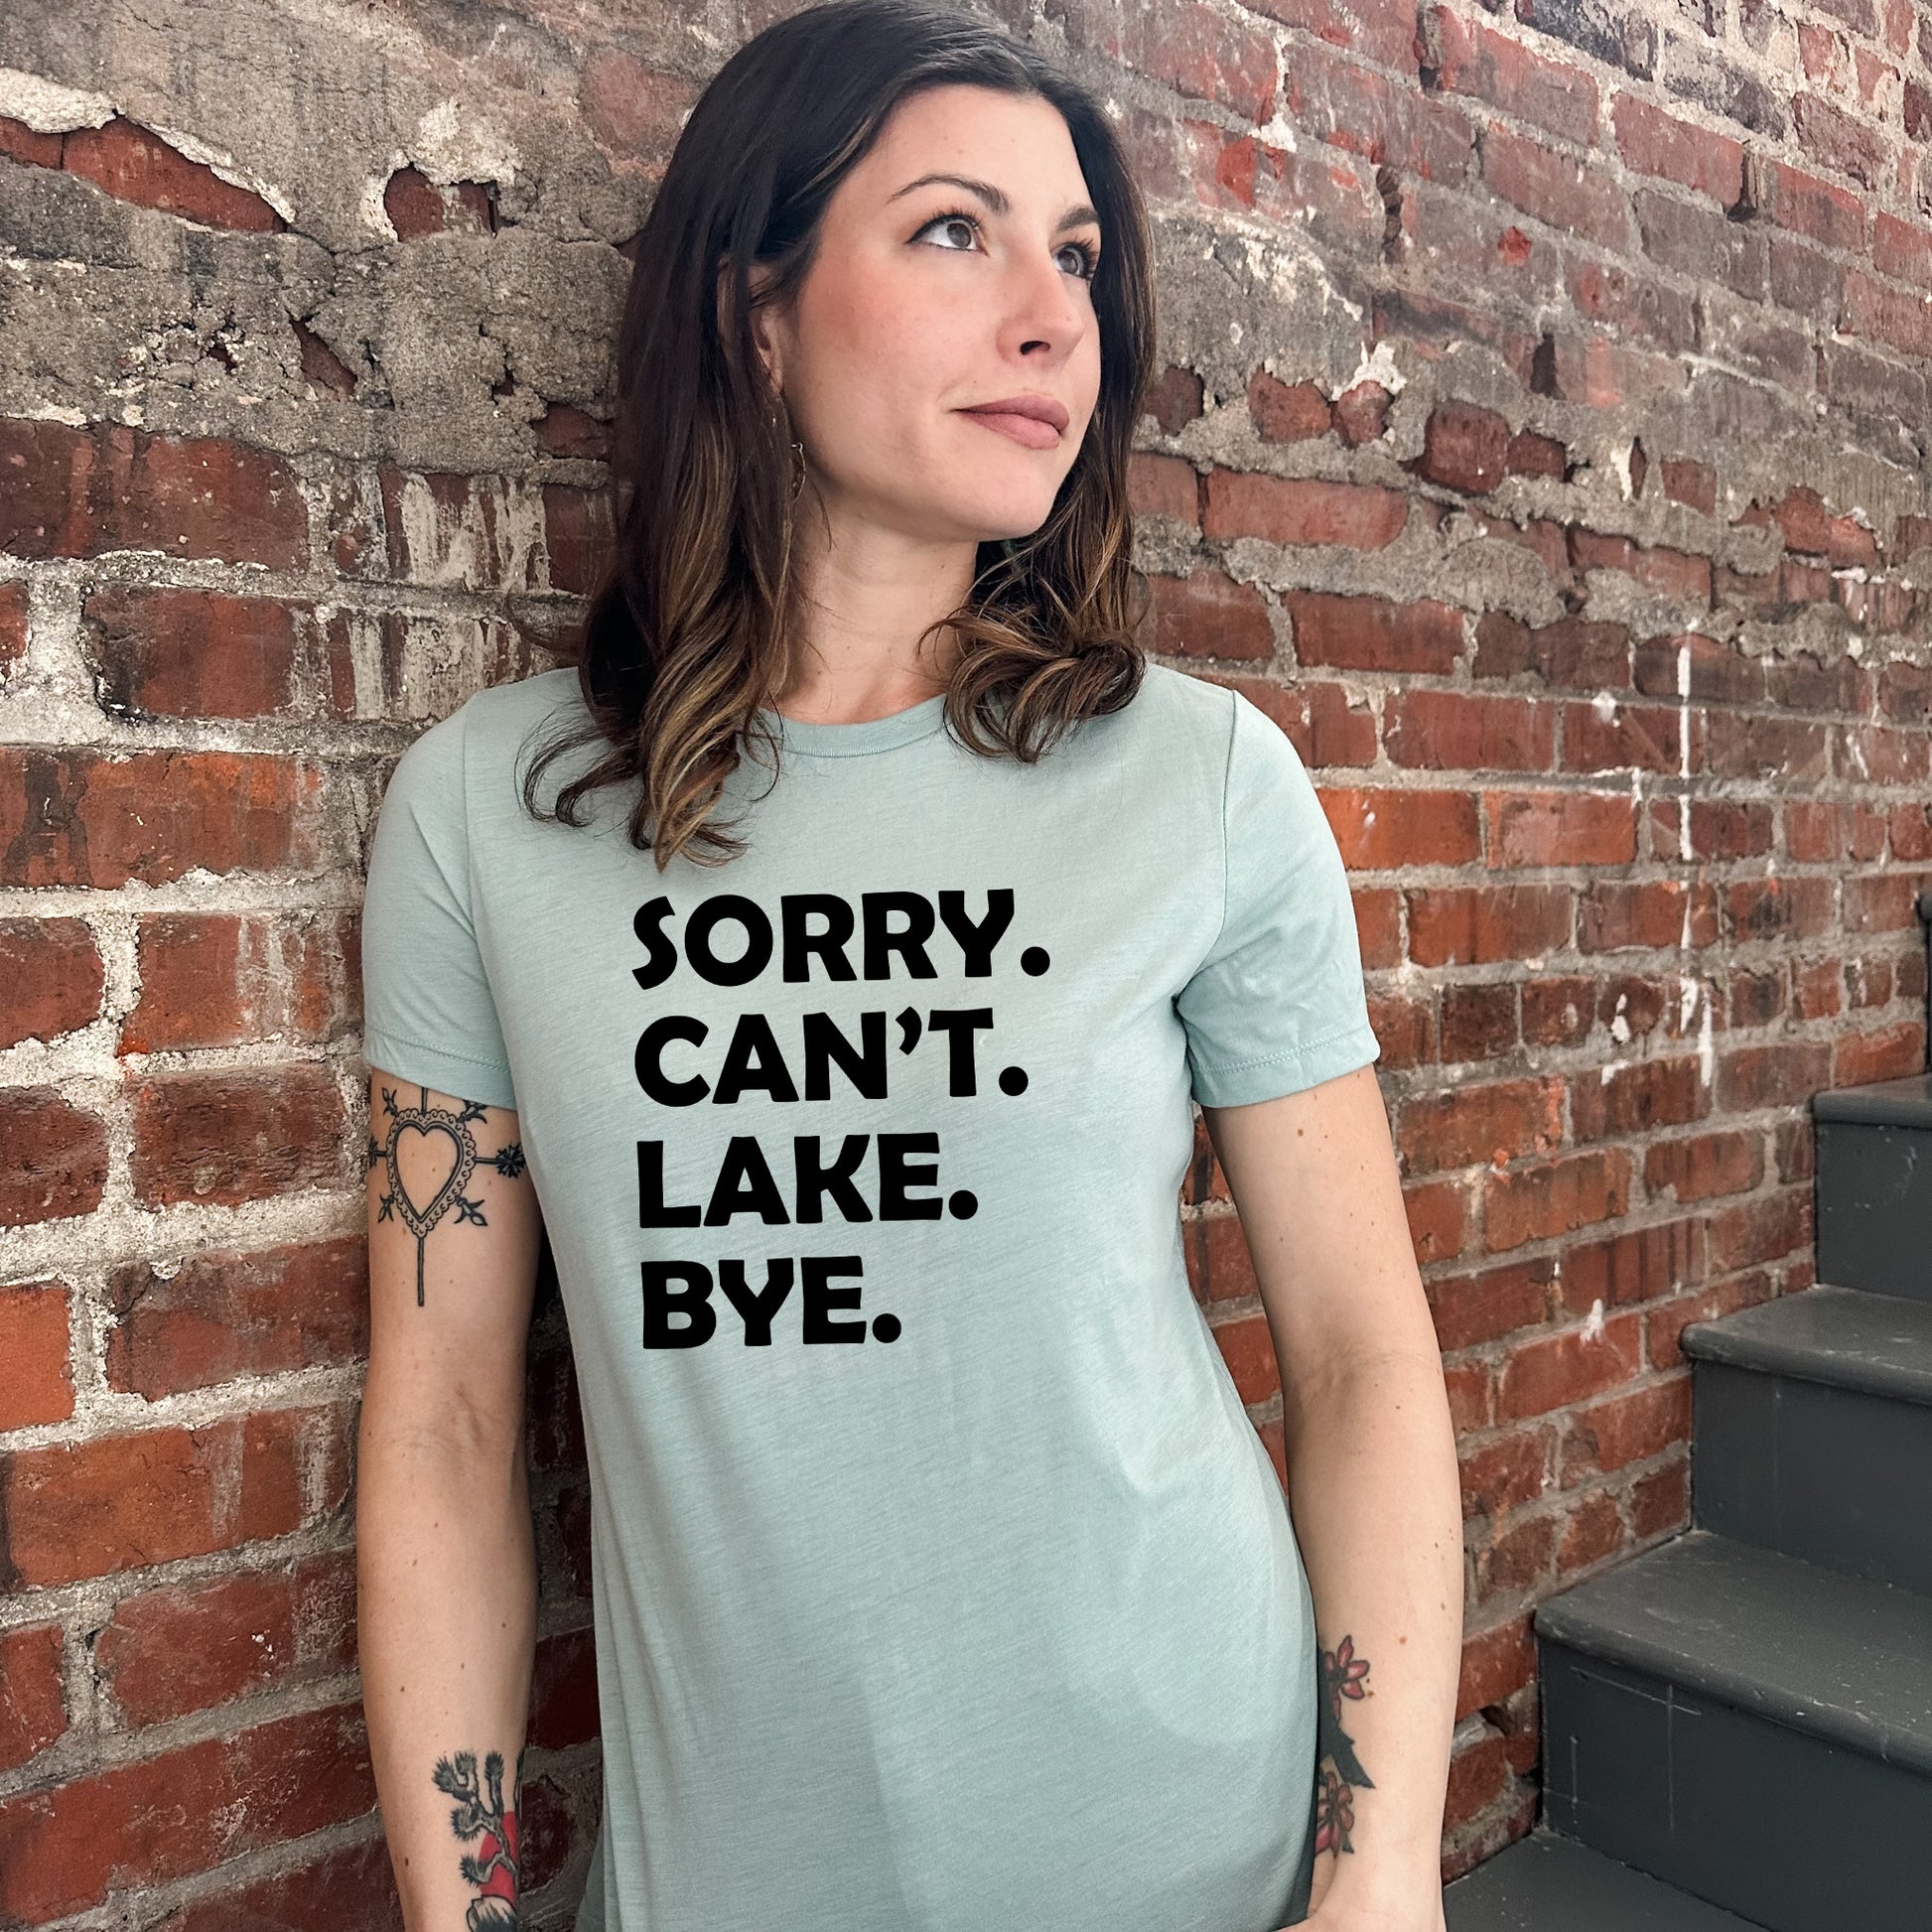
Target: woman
pixel 830 957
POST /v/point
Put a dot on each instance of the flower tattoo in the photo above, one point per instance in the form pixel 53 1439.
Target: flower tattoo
pixel 1338 1771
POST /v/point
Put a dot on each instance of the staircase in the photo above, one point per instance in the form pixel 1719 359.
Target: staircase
pixel 1738 1724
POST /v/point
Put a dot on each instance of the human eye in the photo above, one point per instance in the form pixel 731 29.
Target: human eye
pixel 952 218
pixel 1089 258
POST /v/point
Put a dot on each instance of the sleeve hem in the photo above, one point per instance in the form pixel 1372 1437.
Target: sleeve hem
pixel 1290 1072
pixel 485 1081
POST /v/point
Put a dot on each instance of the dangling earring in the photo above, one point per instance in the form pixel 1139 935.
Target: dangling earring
pixel 798 469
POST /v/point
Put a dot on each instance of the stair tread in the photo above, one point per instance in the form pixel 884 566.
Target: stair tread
pixel 1546 1884
pixel 1876 1344
pixel 1836 1656
pixel 1904 1102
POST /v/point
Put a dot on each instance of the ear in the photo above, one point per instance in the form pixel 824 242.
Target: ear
pixel 764 335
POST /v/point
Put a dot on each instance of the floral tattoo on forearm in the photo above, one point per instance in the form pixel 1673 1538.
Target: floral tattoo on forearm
pixel 480 1813
pixel 1338 1771
pixel 455 1126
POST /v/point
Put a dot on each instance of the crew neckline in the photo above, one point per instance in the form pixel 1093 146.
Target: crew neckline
pixel 897 727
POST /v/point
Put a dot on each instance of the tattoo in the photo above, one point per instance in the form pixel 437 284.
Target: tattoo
pixel 481 1812
pixel 1338 1771
pixel 425 1120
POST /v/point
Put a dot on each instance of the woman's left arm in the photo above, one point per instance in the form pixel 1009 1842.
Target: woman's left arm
pixel 1372 1482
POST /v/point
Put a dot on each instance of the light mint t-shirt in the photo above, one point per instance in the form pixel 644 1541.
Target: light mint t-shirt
pixel 941 1582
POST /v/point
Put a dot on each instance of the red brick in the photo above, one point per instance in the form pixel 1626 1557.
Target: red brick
pixel 1325 726
pixel 1627 1428
pixel 85 492
pixel 1632 737
pixel 1284 412
pixel 1570 194
pixel 33 1703
pixel 158 1819
pixel 1531 455
pixel 1694 484
pixel 1568 653
pixel 1477 1776
pixel 1296 510
pixel 1380 830
pixel 1558 1370
pixel 1635 1264
pixel 1479 926
pixel 1498 1122
pixel 1507 1473
pixel 418 206
pixel 1385 121
pixel 1384 30
pixel 1495 1664
pixel 167 1652
pixel 50 979
pixel 117 1502
pixel 1616 914
pixel 1456 731
pixel 1765 1227
pixel 1902 249
pixel 226 1314
pixel 53 1157
pixel 1656 143
pixel 24 143
pixel 1671 571
pixel 190 653
pixel 1811 528
pixel 1661 1502
pixel 1477 60
pixel 14 618
pixel 1479 1022
pixel 1465 448
pixel 1517 1558
pixel 230 1137
pixel 38 1386
pixel 1209 614
pixel 1560 828
pixel 219 979
pixel 1437 1218
pixel 1192 49
pixel 135 165
pixel 1636 1099
pixel 1247 1346
pixel 578 538
pixel 1470 1310
pixel 1173 400
pixel 1782 1074
pixel 87 818
pixel 1163 486
pixel 1551 1198
pixel 1838 141
pixel 1666 1324
pixel 1363 413
pixel 351 1885
pixel 1593 1531
pixel 1371 633
pixel 1701 1166
pixel 1807 206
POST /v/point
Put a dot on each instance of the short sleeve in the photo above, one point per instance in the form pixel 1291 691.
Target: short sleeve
pixel 428 1014
pixel 1278 1004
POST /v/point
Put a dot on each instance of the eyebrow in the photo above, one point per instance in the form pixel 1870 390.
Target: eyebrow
pixel 994 199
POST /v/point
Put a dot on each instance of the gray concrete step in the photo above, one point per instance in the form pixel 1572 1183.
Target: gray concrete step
pixel 1546 1883
pixel 1813 1431
pixel 1747 1727
pixel 1873 1186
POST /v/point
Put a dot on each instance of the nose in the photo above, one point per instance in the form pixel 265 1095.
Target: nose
pixel 1045 315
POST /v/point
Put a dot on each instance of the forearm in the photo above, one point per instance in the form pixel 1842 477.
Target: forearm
pixel 1374 1493
pixel 447 1579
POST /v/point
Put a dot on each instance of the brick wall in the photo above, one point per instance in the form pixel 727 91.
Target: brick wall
pixel 1542 444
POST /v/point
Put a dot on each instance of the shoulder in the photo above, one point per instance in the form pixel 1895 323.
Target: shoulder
pixel 1174 722
pixel 484 732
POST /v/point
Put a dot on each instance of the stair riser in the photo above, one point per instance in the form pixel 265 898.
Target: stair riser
pixel 1831 1475
pixel 1790 1833
pixel 1874 1208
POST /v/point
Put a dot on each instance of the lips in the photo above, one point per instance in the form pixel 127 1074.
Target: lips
pixel 1037 422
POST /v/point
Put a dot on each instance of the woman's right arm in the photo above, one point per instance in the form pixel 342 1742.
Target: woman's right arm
pixel 445 1557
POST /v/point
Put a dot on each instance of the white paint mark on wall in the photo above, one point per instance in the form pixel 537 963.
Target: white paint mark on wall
pixel 1592 1329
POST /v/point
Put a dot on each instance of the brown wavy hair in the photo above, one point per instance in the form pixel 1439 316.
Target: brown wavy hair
pixel 690 629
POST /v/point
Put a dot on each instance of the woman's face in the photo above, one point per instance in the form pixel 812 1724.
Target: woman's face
pixel 931 298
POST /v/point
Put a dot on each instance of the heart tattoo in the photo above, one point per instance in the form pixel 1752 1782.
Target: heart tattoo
pixel 425 1120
